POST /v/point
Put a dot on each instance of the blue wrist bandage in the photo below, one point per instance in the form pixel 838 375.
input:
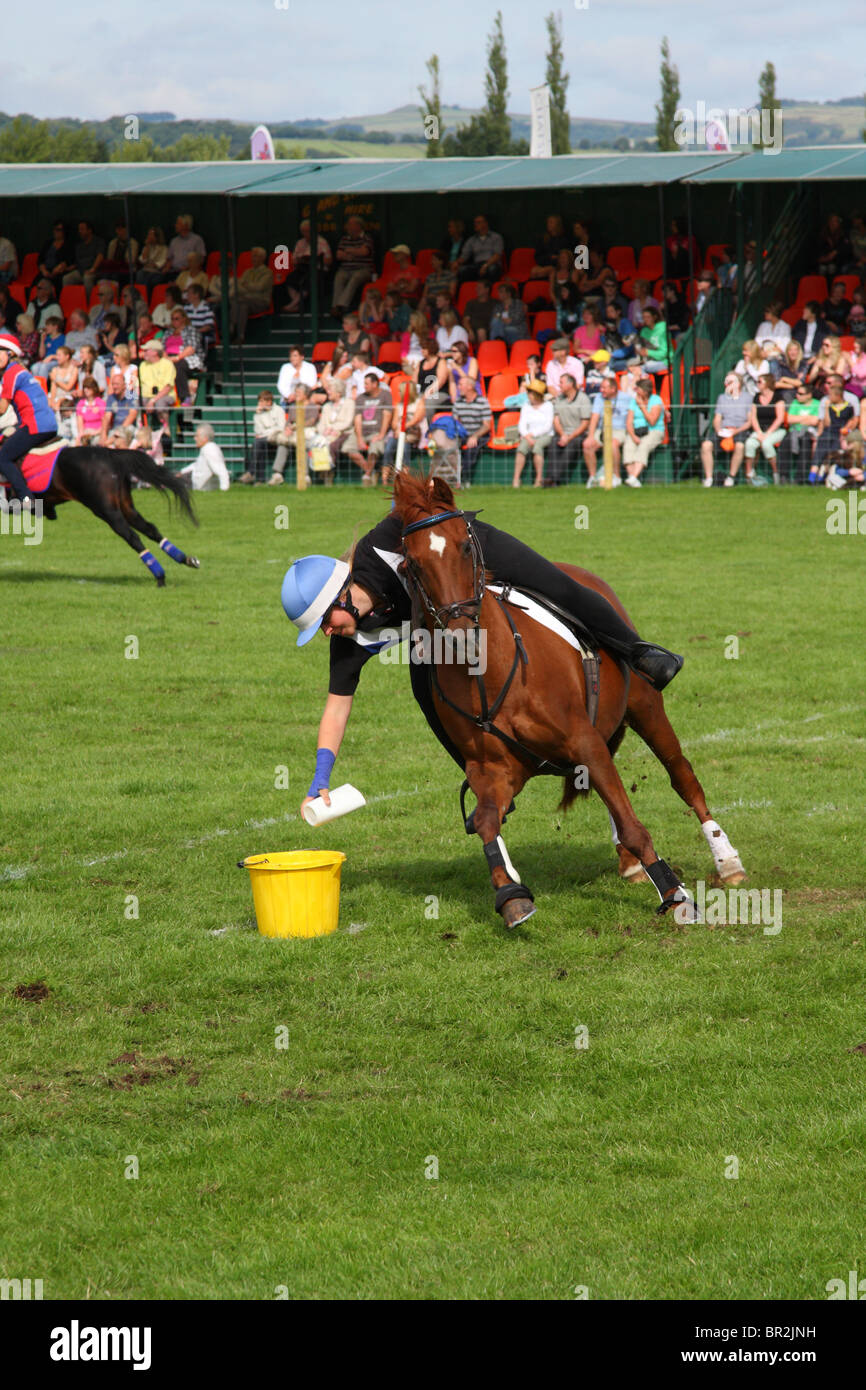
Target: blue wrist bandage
pixel 325 760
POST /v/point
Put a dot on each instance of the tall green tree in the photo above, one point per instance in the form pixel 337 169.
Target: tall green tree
pixel 27 141
pixel 768 101
pixel 431 110
pixel 557 82
pixel 489 132
pixel 668 102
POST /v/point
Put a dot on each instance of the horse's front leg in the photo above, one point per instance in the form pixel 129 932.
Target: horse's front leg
pixel 495 785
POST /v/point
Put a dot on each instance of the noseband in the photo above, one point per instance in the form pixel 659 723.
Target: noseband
pixel 464 608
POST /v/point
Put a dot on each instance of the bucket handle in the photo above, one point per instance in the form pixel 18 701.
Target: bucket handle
pixel 242 863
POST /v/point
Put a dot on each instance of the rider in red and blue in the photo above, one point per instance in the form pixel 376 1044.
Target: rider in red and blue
pixel 37 423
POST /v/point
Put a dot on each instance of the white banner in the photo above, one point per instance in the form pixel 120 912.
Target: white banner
pixel 261 144
pixel 540 146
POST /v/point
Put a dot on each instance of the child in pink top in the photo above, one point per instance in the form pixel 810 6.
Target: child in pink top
pixel 90 410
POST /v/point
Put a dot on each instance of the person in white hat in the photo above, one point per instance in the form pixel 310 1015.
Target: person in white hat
pixel 364 607
pixel 37 423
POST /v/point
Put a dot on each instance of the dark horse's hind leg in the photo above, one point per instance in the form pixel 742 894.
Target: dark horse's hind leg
pixel 114 517
pixel 141 523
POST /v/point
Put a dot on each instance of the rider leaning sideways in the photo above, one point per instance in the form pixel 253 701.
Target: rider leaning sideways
pixel 359 607
pixel 37 422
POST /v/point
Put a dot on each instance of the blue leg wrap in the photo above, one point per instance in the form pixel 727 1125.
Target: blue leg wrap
pixel 173 551
pixel 153 565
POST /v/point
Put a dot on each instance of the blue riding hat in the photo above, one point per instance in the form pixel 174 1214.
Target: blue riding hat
pixel 309 589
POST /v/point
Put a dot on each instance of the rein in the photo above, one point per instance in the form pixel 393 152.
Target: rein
pixel 471 607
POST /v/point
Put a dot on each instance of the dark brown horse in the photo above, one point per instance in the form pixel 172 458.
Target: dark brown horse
pixel 101 479
pixel 527 714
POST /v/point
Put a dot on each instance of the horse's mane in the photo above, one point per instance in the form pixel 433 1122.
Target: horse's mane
pixel 417 495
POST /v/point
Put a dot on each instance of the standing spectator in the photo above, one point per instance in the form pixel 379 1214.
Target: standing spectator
pixel 43 305
pixel 703 291
pixel 269 432
pixel 730 421
pixel 644 430
pixel 57 256
pixel 642 300
pixel 561 364
pixel 508 323
pixel 571 414
pixel 478 314
pixel 452 244
pixel 550 247
pixel 374 410
pixel 8 261
pixel 404 278
pixel 450 331
pixel 194 273
pixel 255 288
pixel 296 370
pixel 482 255
pixel 183 241
pixel 208 471
pixel 654 345
pixel 811 330
pixel 153 259
pixel 834 248
pixel 681 252
pixel 622 402
pixel 440 279
pixel 296 286
pixel 773 325
pixel 122 252
pixel 471 409
pixel 121 406
pixel 90 411
pixel 767 422
pixel 536 432
pixel 89 255
pixel 356 257
pixel 836 307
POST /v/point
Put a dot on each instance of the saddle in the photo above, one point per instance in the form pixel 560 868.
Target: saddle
pixel 558 618
pixel 38 464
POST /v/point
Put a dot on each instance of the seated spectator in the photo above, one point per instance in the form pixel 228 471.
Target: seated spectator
pixel 153 259
pixel 857 239
pixel 676 310
pixel 792 370
pixel 132 305
pixel 44 304
pixel 296 285
pixel 767 424
pixel 8 261
pixel 750 367
pixel 200 314
pixel 414 340
pixel 88 257
pixel 773 326
pixel 563 273
pixel 269 433
pixel 642 300
pixel 121 406
pixel 90 365
pixel 441 301
pixel 834 248
pixel 80 332
pixel 57 256
pixel 163 312
pixel 681 252
pixel 508 323
pixel 106 294
pixel 64 379
pixel 811 330
pixel 404 278
pixel 533 373
pixel 857 312
pixel 356 259
pixel 591 282
pixel 653 345
pixel 831 361
pixel 461 364
pixel 478 314
pixel 351 339
pixel 439 279
pixel 536 432
pixel 836 308
pixel 619 338
pixel 157 376
pixel 374 410
pixel 773 359
pixel 644 430
pixel 51 337
pixel 452 244
pixel 450 331
pixel 397 314
pixel 183 347
pixel 334 425
pixel 571 414
pixel 28 338
pixel 621 403
pixel 471 410
pixel 150 443
pixel 194 273
pixel 567 302
pixel 147 329
pixel 67 421
pixel 361 369
pixel 837 418
pixel 182 243
pixel 371 315
pixel 122 252
pixel 562 363
pixel 110 336
pixel 416 427
pixel 550 248
pixel 856 381
pixel 208 471
pixel 588 338
pixel 795 450
pixel 482 256
pixel 254 291
pixel 296 370
pixel 430 376
pixel 10 308
pixel 612 297
pixel 730 421
pixel 90 410
pixel 122 362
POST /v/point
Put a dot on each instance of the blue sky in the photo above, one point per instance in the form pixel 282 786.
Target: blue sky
pixel 258 61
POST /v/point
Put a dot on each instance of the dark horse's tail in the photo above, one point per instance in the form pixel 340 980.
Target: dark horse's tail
pixel 129 463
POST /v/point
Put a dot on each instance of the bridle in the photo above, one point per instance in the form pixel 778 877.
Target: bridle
pixel 463 608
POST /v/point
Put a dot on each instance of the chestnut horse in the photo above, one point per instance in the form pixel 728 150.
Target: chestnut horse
pixel 527 714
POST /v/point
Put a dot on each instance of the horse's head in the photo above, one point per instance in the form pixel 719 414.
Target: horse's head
pixel 444 563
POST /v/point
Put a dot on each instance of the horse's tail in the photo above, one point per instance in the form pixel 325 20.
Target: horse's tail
pixel 136 463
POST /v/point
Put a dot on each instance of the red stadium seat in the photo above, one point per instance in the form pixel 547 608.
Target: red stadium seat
pixel 521 262
pixel 245 260
pixel 621 261
pixel 323 352
pixel 72 297
pixel 279 273
pixel 542 321
pixel 158 296
pixel 847 342
pixel 396 382
pixel 468 290
pixel 520 352
pixel 812 287
pixel 536 289
pixel 502 385
pixel 424 261
pixel 792 315
pixel 390 355
pixel 650 265
pixel 492 358
pixel 718 248
pixel 507 418
pixel 212 265
pixel 29 268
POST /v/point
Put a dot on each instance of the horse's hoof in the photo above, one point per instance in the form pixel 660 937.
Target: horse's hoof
pixel 517 910
pixel 686 912
pixel 732 872
pixel 160 581
pixel 637 874
pixel 193 563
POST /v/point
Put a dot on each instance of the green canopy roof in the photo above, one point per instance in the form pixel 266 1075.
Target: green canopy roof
pixel 828 162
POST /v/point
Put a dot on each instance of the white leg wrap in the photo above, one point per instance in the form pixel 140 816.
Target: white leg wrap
pixel 509 867
pixel 613 831
pixel 725 857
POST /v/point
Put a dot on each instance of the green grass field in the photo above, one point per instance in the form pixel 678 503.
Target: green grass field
pixel 412 1036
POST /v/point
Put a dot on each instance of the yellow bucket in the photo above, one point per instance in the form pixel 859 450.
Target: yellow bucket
pixel 297 893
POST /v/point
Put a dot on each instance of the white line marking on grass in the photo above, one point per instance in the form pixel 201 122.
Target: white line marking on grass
pixel 13 872
pixel 742 805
